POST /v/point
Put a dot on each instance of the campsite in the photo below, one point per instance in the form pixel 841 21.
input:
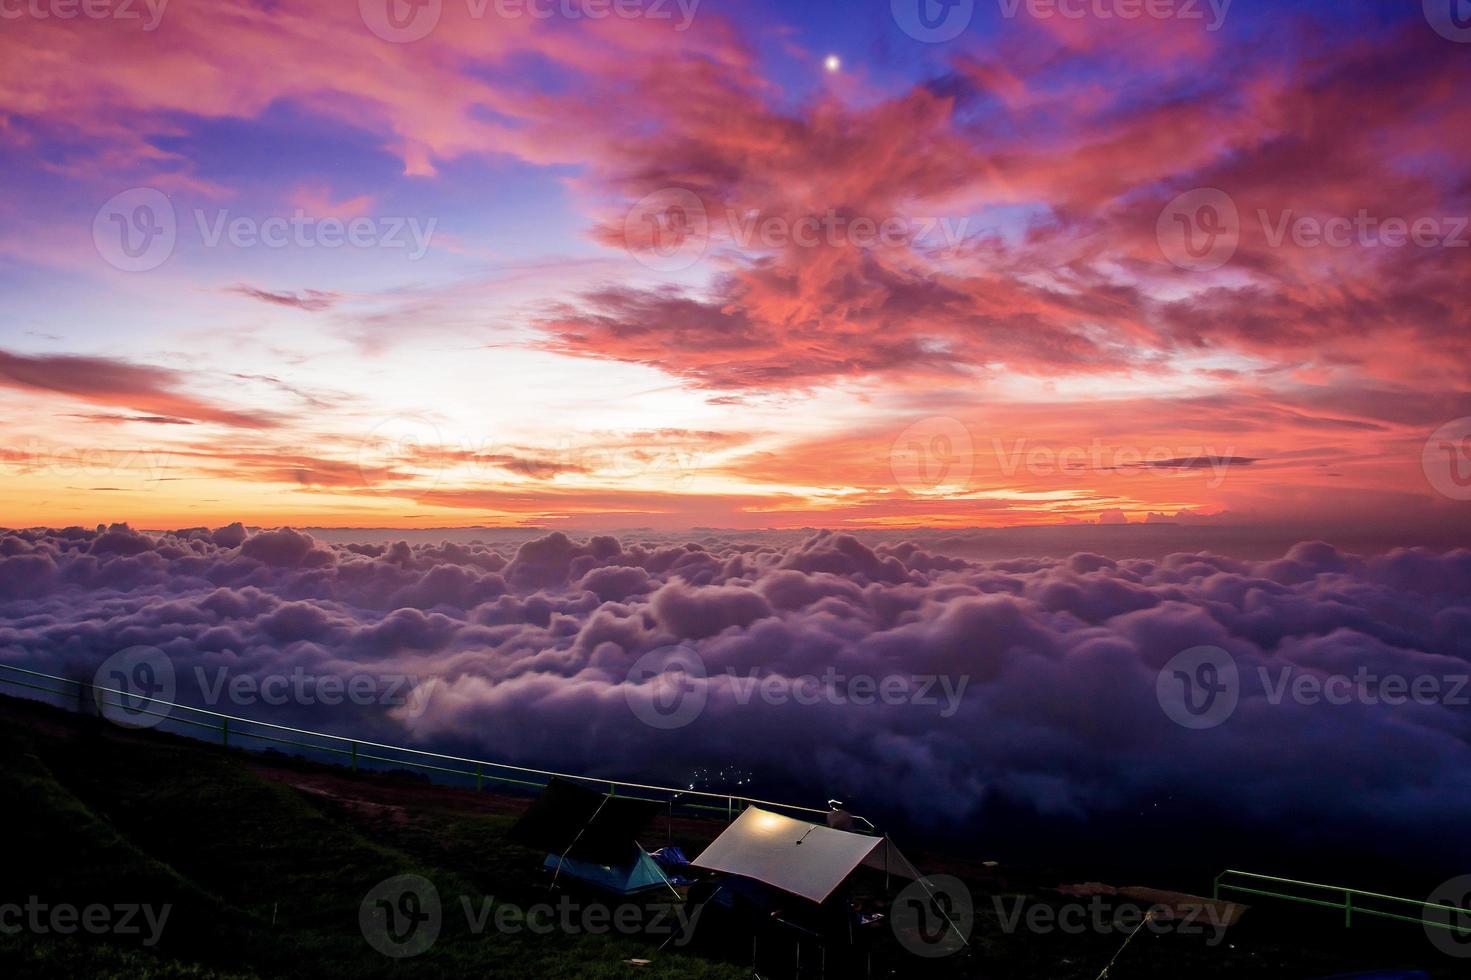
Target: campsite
pixel 271 865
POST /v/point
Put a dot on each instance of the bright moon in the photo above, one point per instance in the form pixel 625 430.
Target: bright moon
pixel 832 63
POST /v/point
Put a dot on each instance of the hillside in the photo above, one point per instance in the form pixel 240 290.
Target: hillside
pixel 265 862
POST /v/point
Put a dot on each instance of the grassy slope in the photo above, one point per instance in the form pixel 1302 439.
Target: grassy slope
pixel 267 862
pixel 138 818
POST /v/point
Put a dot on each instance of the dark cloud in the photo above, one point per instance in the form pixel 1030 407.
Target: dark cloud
pixel 528 642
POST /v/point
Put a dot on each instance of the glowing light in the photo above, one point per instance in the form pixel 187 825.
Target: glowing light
pixel 832 63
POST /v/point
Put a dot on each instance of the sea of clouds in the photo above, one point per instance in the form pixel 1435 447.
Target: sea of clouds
pixel 1022 701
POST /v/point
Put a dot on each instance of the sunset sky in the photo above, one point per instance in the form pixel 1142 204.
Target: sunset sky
pixel 733 264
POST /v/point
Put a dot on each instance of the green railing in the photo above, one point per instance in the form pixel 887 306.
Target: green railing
pixel 1344 899
pixel 359 751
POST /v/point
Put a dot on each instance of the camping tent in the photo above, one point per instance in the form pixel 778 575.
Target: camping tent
pixel 592 836
pixel 797 857
pixel 806 860
pixel 625 878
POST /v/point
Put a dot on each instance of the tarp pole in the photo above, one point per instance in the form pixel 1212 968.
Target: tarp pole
pixel 563 856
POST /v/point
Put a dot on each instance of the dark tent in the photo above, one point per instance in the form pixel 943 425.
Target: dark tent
pixel 574 821
pixel 592 837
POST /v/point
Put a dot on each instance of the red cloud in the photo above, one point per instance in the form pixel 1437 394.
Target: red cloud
pixel 103 381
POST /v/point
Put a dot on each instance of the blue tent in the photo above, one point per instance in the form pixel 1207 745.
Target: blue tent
pixel 640 873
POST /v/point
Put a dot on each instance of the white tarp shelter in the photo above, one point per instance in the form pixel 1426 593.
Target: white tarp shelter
pixel 798 857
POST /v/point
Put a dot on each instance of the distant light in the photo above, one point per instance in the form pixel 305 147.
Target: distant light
pixel 833 63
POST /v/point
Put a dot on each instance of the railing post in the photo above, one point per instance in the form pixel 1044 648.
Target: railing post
pixel 477 777
pixel 225 732
pixel 354 757
pixel 1348 909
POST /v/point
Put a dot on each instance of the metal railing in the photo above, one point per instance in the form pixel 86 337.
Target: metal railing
pixel 1348 905
pixel 360 751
